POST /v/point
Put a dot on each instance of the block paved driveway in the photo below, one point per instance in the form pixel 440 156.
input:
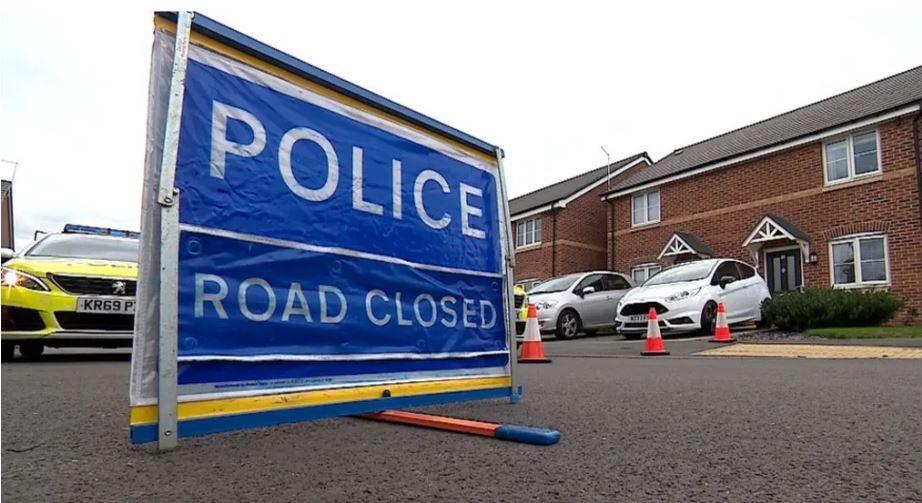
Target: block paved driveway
pixel 682 428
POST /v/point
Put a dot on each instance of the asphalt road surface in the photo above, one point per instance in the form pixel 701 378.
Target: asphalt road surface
pixel 680 428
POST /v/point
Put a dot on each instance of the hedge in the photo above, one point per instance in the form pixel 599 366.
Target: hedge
pixel 817 308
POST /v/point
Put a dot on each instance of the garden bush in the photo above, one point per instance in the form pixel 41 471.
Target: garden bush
pixel 816 308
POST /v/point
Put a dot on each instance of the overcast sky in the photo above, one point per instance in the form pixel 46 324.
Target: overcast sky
pixel 549 84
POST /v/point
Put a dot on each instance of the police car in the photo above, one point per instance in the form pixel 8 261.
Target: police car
pixel 67 289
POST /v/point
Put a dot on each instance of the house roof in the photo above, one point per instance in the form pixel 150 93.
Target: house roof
pixel 566 188
pixel 680 243
pixel 872 99
pixel 696 243
pixel 790 227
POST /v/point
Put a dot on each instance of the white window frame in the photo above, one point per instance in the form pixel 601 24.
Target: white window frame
pixel 856 248
pixel 850 157
pixel 646 269
pixel 646 220
pixel 536 226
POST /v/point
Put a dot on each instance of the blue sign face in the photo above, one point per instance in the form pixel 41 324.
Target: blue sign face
pixel 322 244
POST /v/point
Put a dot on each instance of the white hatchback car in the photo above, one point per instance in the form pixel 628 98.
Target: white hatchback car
pixel 685 297
pixel 581 302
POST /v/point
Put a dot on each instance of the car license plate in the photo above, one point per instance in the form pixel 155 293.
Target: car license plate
pixel 105 305
pixel 637 317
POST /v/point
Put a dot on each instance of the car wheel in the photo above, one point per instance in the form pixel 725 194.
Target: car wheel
pixel 31 350
pixel 9 351
pixel 708 318
pixel 568 324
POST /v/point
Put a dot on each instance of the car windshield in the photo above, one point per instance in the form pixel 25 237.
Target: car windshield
pixel 691 271
pixel 86 246
pixel 556 285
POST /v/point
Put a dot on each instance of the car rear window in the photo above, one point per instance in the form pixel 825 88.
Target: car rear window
pixel 87 247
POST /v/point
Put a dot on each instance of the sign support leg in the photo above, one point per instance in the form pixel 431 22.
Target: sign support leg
pixel 168 199
pixel 508 268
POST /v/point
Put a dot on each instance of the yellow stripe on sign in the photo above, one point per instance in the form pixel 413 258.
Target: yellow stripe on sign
pixel 203 41
pixel 827 351
pixel 146 414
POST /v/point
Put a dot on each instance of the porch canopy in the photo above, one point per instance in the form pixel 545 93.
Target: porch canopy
pixel 684 246
pixel 775 230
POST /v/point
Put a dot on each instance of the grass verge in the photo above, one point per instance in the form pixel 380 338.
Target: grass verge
pixel 866 332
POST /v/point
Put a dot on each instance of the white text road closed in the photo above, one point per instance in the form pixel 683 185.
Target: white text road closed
pixel 105 305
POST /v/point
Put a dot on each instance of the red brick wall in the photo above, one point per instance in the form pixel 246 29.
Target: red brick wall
pixel 581 238
pixel 723 206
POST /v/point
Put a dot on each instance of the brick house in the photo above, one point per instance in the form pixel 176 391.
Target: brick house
pixel 827 195
pixel 560 229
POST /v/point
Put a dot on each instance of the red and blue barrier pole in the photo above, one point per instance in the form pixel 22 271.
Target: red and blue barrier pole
pixel 510 432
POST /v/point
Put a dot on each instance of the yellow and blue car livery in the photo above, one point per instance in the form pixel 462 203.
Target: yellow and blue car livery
pixel 521 310
pixel 51 299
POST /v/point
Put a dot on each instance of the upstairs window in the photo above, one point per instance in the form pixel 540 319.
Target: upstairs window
pixel 852 157
pixel 645 208
pixel 859 261
pixel 528 232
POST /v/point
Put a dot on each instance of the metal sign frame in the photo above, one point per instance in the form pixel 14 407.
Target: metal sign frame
pixel 167 199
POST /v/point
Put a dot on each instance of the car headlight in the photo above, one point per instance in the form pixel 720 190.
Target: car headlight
pixel 545 304
pixel 14 278
pixel 683 295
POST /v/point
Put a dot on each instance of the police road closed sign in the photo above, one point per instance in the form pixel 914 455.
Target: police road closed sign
pixel 329 252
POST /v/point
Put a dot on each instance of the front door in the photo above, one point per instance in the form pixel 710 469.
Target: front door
pixel 783 270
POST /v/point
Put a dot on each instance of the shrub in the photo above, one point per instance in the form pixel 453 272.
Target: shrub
pixel 815 308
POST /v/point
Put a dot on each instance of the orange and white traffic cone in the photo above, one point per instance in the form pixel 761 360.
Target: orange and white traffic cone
pixel 722 329
pixel 532 349
pixel 655 345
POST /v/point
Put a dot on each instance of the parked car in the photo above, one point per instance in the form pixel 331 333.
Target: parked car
pixel 685 297
pixel 75 288
pixel 581 302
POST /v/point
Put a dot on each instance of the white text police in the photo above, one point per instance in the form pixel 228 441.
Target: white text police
pixel 221 147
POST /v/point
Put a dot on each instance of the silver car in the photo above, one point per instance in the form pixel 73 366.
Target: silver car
pixel 581 302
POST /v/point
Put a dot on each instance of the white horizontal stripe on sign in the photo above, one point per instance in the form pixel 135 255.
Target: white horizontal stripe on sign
pixel 332 250
pixel 259 77
pixel 340 358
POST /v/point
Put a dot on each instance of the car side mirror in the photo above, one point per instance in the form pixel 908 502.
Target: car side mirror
pixel 588 290
pixel 6 254
pixel 726 280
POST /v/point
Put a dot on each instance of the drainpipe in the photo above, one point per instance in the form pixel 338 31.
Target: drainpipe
pixel 554 242
pixel 917 144
pixel 611 246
